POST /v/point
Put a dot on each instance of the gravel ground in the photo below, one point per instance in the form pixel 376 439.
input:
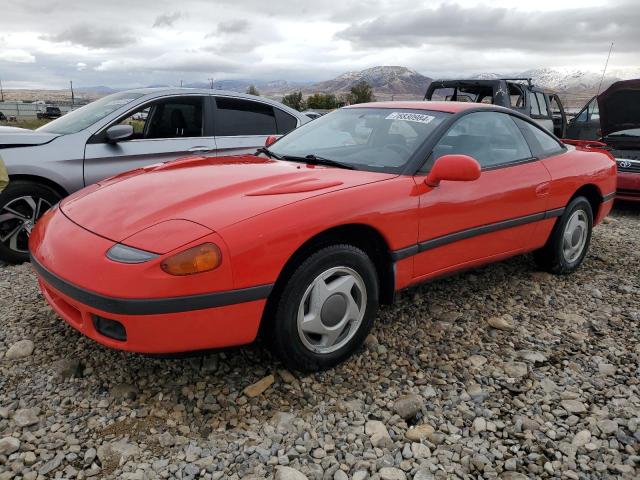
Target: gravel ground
pixel 503 372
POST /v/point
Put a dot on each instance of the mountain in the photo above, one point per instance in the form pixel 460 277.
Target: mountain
pixel 269 87
pixel 385 80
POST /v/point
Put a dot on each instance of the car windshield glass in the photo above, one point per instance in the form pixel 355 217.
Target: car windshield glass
pixel 376 139
pixel 86 116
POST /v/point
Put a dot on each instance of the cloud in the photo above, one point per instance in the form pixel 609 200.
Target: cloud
pixel 167 19
pixel 232 26
pixel 16 56
pixel 93 37
pixel 483 27
pixel 80 66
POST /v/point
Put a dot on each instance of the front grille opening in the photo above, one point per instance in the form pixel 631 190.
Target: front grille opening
pixel 110 328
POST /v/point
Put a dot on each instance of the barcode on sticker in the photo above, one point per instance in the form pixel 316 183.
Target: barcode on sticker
pixel 410 117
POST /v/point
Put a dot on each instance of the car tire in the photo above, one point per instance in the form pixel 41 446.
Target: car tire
pixel 22 203
pixel 326 309
pixel 569 241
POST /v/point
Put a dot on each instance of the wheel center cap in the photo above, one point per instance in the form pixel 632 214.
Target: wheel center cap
pixel 575 237
pixel 333 310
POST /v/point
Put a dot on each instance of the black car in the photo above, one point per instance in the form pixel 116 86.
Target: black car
pixel 50 112
pixel 515 93
pixel 3 117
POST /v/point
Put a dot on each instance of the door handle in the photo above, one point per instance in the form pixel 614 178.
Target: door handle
pixel 542 190
pixel 200 149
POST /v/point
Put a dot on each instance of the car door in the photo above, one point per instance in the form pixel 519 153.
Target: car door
pixel 586 125
pixel 164 129
pixel 464 223
pixel 242 125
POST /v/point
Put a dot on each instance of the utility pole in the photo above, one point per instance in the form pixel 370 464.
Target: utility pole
pixel 211 83
pixel 1 92
pixel 73 100
pixel 180 83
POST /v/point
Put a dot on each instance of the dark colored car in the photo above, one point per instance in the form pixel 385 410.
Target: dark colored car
pixel 613 118
pixel 518 94
pixel 3 117
pixel 50 112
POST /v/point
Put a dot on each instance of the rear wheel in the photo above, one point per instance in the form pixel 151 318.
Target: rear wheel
pixel 22 203
pixel 326 309
pixel 569 241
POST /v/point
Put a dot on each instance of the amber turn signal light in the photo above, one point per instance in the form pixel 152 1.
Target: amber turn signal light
pixel 202 258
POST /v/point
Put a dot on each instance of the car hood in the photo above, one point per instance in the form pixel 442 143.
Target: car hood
pixel 212 192
pixel 619 107
pixel 22 137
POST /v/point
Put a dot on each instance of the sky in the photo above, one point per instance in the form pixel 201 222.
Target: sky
pixel 124 43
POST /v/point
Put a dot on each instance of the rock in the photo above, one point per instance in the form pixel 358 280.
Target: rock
pixel 607 427
pixel 30 458
pixel 288 473
pixel 573 406
pixel 420 450
pixel 90 456
pixel 283 421
pixel 340 475
pixel 51 465
pixel 581 438
pixel 379 435
pixel 123 391
pixel 21 349
pixel 419 432
pixel 513 476
pixel 531 356
pixel 360 475
pixel 606 369
pixel 450 317
pixel 8 445
pixel 504 322
pixel 479 425
pixel 515 369
pixel 286 376
pixel 68 368
pixel 391 473
pixel 423 474
pixel 26 417
pixel 408 406
pixel 477 361
pixel 259 387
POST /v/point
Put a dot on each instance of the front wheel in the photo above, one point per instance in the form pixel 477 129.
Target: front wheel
pixel 22 203
pixel 326 309
pixel 569 241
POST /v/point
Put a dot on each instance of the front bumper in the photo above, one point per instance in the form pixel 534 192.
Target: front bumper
pixel 628 186
pixel 179 325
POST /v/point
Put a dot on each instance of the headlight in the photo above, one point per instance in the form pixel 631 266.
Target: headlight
pixel 123 254
pixel 202 258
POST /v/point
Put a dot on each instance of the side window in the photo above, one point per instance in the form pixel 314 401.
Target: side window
pixel 542 103
pixel 541 142
pixel 284 121
pixel 174 118
pixel 535 107
pixel 492 138
pixel 237 117
pixel 594 110
pixel 585 113
pixel 167 118
pixel 516 95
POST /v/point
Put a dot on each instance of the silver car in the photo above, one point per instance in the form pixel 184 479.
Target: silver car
pixel 121 132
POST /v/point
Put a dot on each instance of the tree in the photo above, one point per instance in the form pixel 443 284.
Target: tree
pixel 294 100
pixel 252 90
pixel 325 101
pixel 361 92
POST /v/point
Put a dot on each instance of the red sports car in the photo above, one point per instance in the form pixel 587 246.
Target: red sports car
pixel 304 239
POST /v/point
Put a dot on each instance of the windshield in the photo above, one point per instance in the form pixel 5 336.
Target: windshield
pixel 378 139
pixel 86 116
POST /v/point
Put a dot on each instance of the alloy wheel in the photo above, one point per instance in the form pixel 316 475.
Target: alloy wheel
pixel 575 235
pixel 17 219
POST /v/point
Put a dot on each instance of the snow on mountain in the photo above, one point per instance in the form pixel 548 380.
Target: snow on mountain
pixel 383 79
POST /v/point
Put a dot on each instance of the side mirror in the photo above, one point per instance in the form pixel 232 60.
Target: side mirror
pixel 271 139
pixel 457 168
pixel 117 133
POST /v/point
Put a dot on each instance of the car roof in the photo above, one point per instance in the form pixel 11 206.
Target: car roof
pixel 448 107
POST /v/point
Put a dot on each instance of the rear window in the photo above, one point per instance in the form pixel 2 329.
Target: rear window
pixel 284 121
pixel 237 117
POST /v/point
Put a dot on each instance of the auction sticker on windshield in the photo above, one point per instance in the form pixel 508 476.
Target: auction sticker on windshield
pixel 410 117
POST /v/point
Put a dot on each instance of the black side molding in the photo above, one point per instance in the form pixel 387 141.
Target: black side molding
pixel 151 306
pixel 473 232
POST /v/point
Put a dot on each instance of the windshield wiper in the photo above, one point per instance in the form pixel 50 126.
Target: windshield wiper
pixel 268 153
pixel 316 160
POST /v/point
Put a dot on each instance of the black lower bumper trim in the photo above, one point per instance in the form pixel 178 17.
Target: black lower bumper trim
pixel 151 306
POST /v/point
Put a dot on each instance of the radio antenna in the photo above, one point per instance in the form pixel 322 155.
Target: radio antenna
pixel 605 69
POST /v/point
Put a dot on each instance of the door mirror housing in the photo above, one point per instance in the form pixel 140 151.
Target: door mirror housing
pixel 271 139
pixel 118 133
pixel 455 168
